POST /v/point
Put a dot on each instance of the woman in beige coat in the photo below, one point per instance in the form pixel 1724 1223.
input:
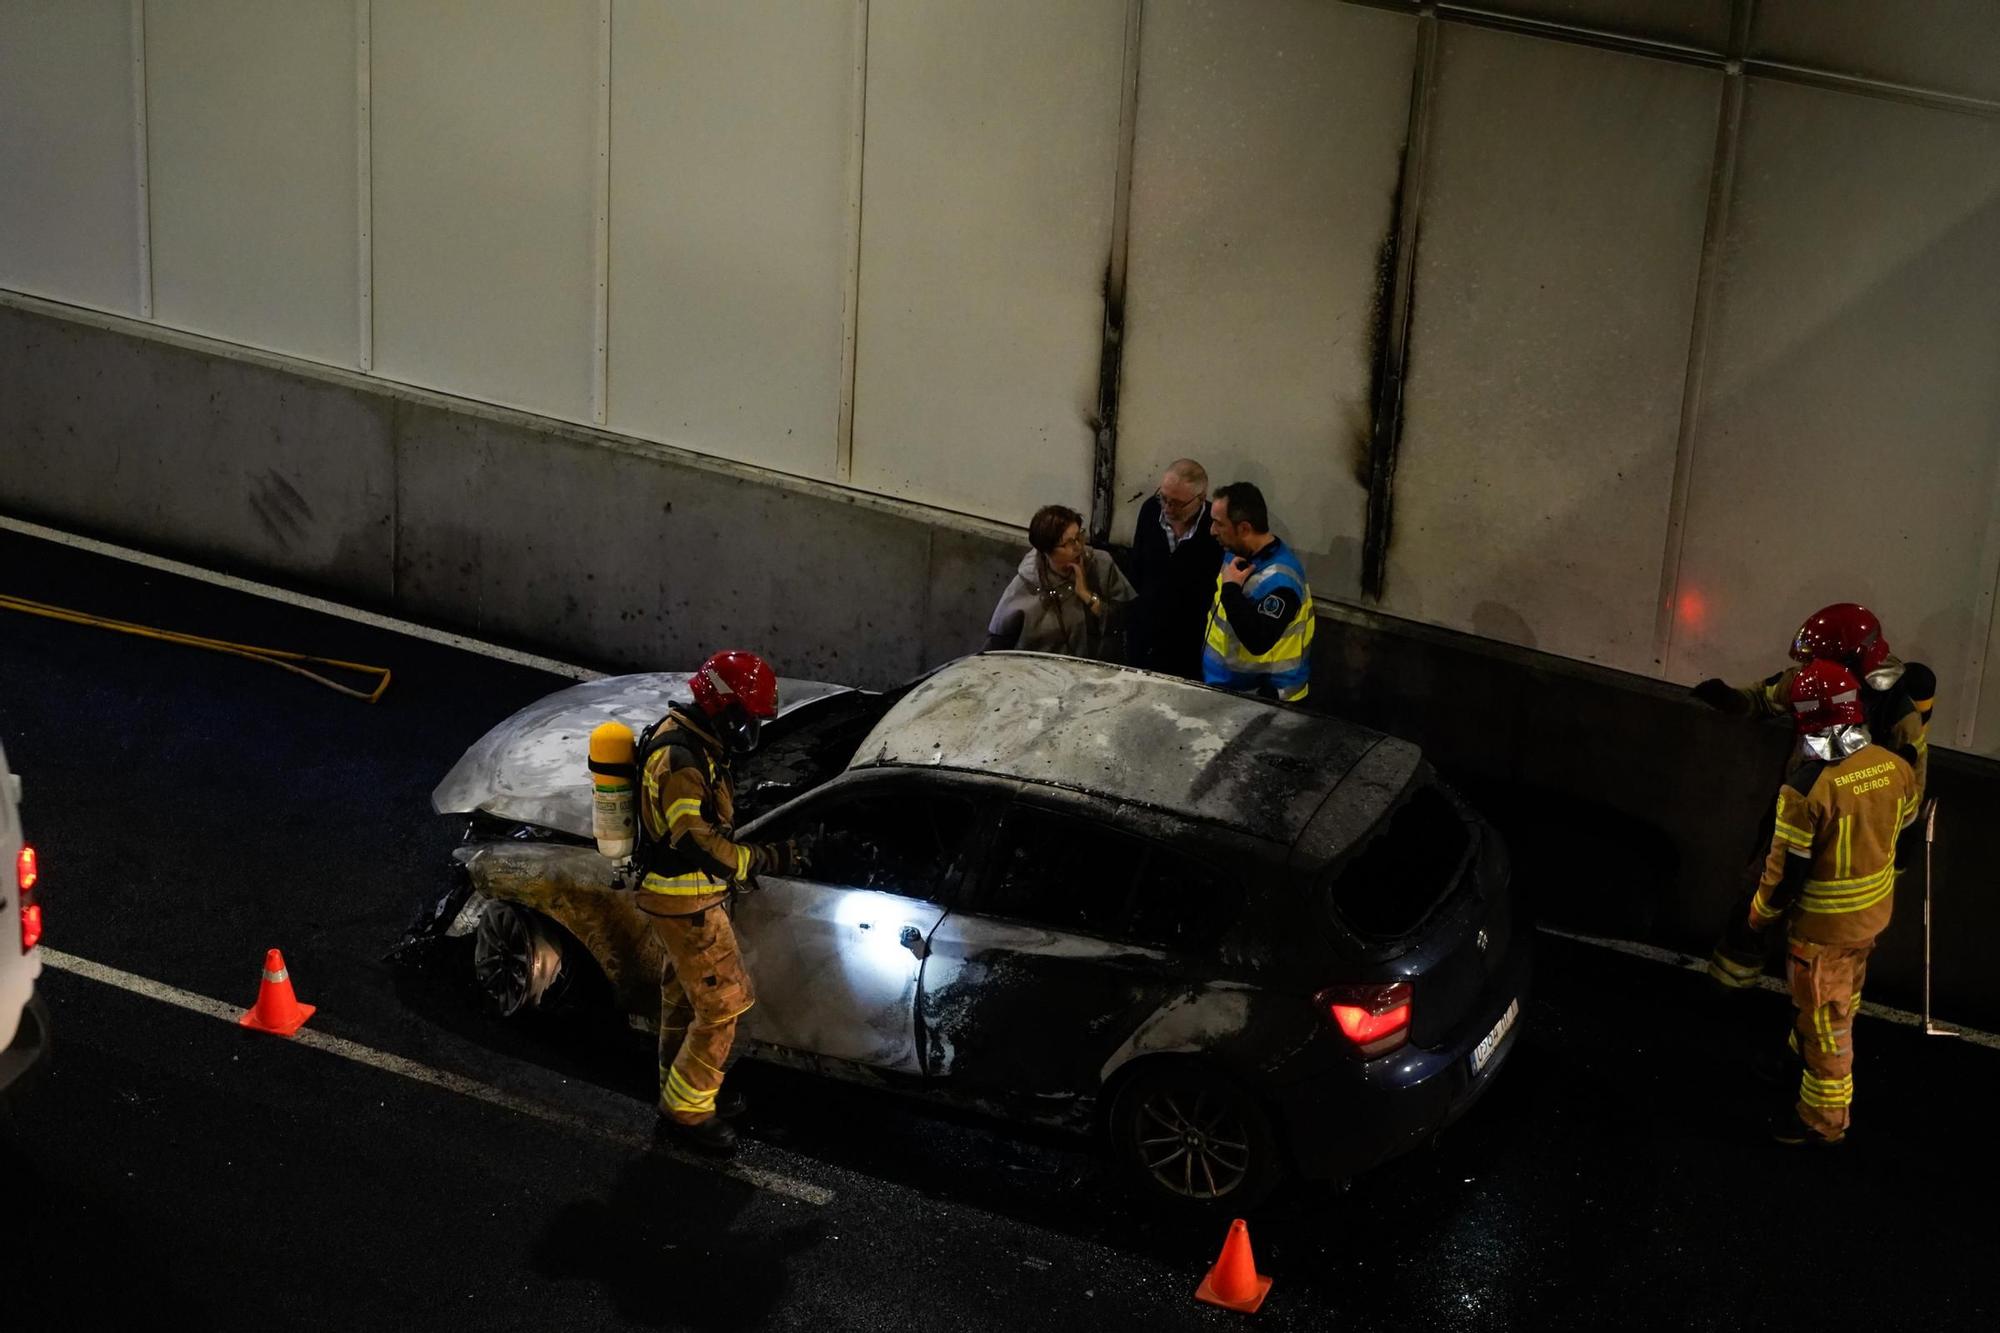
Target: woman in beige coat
pixel 1065 593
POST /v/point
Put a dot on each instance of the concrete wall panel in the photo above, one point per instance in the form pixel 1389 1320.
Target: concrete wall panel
pixel 1702 24
pixel 733 132
pixel 195 454
pixel 251 121
pixel 1565 200
pixel 485 166
pixel 1849 446
pixel 1270 137
pixel 988 184
pixel 69 193
pixel 503 530
pixel 1950 46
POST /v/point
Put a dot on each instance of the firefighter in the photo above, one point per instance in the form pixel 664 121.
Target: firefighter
pixel 1831 878
pixel 1897 698
pixel 1260 622
pixel 688 863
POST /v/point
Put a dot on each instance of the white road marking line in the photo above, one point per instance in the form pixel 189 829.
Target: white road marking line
pixel 628 1136
pixel 319 604
pixel 1674 958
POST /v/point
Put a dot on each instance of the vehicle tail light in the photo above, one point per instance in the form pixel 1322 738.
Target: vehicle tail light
pixel 1376 1018
pixel 27 871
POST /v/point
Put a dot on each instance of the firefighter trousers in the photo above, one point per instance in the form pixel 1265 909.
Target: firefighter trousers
pixel 1826 984
pixel 703 991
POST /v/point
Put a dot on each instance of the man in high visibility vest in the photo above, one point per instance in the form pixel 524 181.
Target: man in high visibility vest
pixel 1830 878
pixel 689 861
pixel 1260 623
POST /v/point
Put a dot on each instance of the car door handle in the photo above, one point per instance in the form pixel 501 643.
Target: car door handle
pixel 913 940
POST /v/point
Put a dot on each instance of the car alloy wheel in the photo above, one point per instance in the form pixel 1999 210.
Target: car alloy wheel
pixel 1194 1141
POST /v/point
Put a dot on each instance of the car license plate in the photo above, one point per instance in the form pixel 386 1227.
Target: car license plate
pixel 1491 1041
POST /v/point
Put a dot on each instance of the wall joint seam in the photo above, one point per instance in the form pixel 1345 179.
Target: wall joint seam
pixel 1721 188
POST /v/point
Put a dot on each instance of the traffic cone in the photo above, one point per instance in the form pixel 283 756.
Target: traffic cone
pixel 277 1009
pixel 1234 1283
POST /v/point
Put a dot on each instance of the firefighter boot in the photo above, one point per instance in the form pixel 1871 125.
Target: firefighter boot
pixel 730 1104
pixel 714 1136
pixel 1793 1132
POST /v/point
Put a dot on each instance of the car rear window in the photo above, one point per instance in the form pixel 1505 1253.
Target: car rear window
pixel 1389 885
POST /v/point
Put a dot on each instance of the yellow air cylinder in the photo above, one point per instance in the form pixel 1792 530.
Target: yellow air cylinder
pixel 612 774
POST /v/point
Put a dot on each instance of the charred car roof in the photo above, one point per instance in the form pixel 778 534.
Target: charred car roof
pixel 1131 736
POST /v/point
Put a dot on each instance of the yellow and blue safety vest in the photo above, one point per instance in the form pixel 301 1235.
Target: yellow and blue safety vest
pixel 1285 669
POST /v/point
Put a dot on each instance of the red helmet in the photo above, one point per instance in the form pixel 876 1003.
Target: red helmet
pixel 738 691
pixel 1825 694
pixel 1847 633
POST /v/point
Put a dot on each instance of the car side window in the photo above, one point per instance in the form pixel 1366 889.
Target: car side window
pixel 1065 873
pixel 1182 904
pixel 1071 874
pixel 906 843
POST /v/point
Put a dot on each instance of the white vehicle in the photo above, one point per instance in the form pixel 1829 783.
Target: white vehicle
pixel 24 1019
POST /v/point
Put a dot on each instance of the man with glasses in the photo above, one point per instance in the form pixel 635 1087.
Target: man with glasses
pixel 1174 559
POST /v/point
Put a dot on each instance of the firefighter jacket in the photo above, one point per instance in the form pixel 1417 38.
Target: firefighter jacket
pixel 1259 636
pixel 1899 718
pixel 1832 863
pixel 687 813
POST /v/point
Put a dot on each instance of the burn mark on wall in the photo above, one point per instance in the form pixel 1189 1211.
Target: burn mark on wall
pixel 1395 301
pixel 1391 372
pixel 281 511
pixel 1104 457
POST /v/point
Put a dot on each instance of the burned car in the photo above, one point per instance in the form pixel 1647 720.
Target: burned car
pixel 1242 940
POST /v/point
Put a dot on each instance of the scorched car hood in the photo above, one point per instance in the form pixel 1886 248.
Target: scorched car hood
pixel 531 767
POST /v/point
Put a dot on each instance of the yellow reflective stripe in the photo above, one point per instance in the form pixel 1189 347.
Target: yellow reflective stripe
pixel 1820 906
pixel 680 1095
pixel 1291 646
pixel 1826 1093
pixel 742 863
pixel 692 884
pixel 1731 973
pixel 1851 885
pixel 687 805
pixel 1797 837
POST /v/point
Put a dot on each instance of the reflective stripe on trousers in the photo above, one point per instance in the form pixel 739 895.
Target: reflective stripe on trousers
pixel 703 991
pixel 1826 981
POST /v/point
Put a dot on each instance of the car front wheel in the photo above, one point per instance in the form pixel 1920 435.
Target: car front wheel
pixel 1191 1133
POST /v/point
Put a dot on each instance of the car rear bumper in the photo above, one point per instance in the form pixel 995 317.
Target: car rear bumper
pixel 1350 1118
pixel 29 1051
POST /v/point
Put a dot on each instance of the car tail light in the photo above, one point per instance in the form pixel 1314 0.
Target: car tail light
pixel 1375 1018
pixel 27 871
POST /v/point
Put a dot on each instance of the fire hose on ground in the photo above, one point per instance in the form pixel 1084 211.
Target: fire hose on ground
pixel 297 663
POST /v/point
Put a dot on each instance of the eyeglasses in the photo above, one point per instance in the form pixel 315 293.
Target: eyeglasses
pixel 1180 509
pixel 1074 539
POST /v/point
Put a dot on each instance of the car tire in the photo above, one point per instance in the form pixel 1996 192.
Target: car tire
pixel 1186 1132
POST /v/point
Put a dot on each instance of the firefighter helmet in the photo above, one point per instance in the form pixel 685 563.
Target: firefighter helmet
pixel 1847 633
pixel 739 693
pixel 1825 695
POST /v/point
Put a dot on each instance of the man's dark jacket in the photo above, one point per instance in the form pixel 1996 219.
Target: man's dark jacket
pixel 1175 590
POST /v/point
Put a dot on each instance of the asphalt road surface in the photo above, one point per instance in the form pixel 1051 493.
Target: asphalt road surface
pixel 418 1165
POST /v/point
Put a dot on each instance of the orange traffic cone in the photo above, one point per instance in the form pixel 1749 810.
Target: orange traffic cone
pixel 277 1009
pixel 1234 1283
